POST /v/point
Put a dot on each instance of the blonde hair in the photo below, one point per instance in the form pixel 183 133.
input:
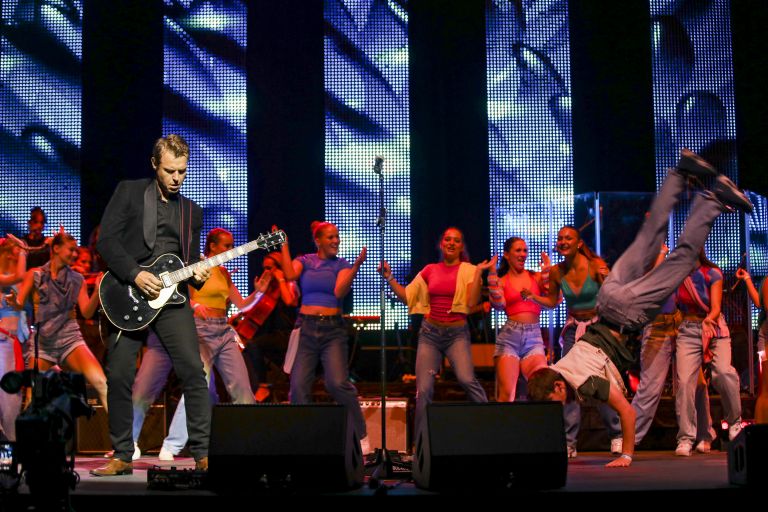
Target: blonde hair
pixel 174 144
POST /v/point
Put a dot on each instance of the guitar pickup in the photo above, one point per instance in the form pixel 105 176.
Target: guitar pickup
pixel 166 279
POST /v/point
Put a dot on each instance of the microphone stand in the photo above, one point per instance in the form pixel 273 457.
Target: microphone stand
pixel 383 462
pixel 36 381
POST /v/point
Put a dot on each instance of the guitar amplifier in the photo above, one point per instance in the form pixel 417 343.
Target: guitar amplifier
pixel 397 423
pixel 92 434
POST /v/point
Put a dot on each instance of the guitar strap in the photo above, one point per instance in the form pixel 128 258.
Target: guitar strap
pixel 185 229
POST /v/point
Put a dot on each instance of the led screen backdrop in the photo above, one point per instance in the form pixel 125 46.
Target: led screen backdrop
pixel 40 105
pixel 366 95
pixel 529 124
pixel 205 102
pixel 757 232
pixel 694 104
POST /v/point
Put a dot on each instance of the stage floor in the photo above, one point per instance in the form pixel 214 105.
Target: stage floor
pixel 705 477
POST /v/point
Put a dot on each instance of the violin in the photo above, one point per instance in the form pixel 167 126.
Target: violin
pixel 247 323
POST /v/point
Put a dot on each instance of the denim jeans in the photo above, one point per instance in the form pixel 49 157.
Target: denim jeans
pixel 690 353
pixel 631 296
pixel 324 339
pixel 519 340
pixel 153 373
pixel 150 380
pixel 572 408
pixel 219 349
pixel 658 346
pixel 436 343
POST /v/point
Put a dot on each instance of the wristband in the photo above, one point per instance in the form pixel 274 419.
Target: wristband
pixel 390 278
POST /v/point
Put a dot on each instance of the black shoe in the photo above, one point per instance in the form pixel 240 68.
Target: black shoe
pixel 728 193
pixel 692 164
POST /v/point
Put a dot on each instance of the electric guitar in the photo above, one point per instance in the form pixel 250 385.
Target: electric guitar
pixel 128 309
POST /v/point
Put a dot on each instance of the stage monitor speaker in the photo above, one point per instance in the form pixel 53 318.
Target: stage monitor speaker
pixel 747 462
pixel 397 422
pixel 304 446
pixel 491 445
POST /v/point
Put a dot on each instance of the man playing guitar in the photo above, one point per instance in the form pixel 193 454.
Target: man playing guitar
pixel 146 219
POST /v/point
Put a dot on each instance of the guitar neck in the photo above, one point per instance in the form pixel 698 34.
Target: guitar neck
pixel 214 261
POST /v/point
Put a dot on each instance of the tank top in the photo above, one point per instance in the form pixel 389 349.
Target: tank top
pixel 56 298
pixel 515 302
pixel 587 297
pixel 215 291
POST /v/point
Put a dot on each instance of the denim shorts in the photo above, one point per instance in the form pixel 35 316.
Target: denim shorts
pixel 519 340
pixel 55 350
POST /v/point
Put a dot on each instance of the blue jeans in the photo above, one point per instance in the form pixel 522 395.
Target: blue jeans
pixel 630 296
pixel 150 380
pixel 572 408
pixel 218 348
pixel 658 345
pixel 519 340
pixel 324 339
pixel 436 343
pixel 690 353
pixel 153 373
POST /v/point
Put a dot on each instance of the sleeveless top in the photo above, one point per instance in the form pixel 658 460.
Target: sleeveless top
pixel 215 291
pixel 515 302
pixel 587 297
pixel 56 298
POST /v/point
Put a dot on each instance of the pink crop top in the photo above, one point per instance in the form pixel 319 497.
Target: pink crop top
pixel 514 301
pixel 441 283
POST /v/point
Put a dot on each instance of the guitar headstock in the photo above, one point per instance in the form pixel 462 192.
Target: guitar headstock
pixel 270 240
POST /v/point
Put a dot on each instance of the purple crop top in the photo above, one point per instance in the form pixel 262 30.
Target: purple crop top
pixel 318 280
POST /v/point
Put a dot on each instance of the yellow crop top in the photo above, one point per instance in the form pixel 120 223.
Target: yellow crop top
pixel 215 291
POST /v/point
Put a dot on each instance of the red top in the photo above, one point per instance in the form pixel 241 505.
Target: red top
pixel 702 279
pixel 441 283
pixel 515 302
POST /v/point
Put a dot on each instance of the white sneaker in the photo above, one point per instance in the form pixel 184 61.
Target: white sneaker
pixel 704 446
pixel 165 454
pixel 734 430
pixel 136 452
pixel 617 444
pixel 365 445
pixel 571 452
pixel 684 448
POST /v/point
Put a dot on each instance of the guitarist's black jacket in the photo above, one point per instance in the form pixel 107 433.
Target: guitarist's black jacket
pixel 128 236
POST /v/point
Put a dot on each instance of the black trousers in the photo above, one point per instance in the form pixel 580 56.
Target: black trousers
pixel 175 327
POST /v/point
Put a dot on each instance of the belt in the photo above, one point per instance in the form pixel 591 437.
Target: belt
pixel 621 329
pixel 322 318
pixel 437 323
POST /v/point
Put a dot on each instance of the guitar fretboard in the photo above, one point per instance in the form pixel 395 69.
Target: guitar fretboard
pixel 214 261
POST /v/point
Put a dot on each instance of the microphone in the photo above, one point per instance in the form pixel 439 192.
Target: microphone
pixel 378 164
pixel 742 264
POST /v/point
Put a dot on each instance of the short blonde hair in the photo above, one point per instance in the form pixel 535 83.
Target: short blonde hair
pixel 174 144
